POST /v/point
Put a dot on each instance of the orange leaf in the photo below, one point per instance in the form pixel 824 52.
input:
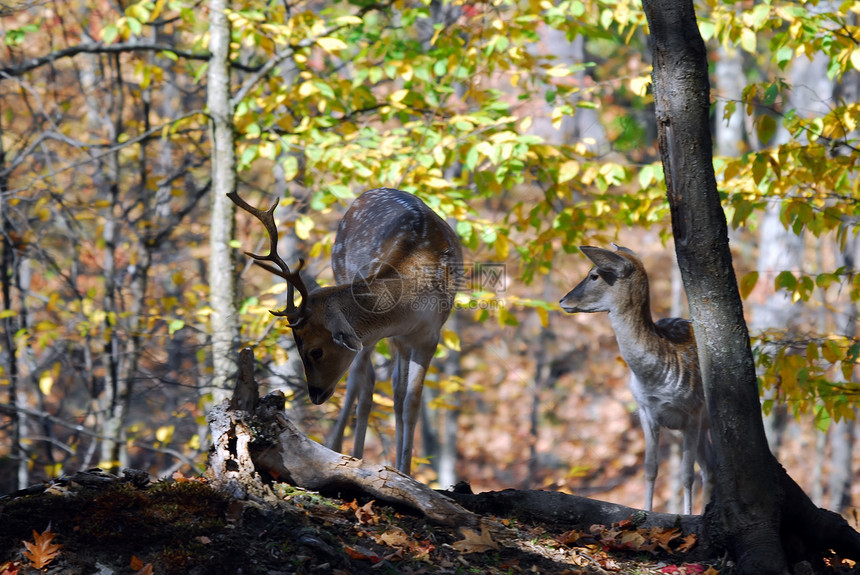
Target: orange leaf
pixel 474 543
pixel 688 543
pixel 663 537
pixel 362 553
pixel 42 551
pixel 178 477
pixel 139 567
pixel 366 515
pixel 8 568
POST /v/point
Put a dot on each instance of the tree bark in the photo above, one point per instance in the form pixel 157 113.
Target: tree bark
pixel 755 502
pixel 225 331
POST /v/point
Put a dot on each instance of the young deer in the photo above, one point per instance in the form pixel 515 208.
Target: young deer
pixel 396 265
pixel 663 361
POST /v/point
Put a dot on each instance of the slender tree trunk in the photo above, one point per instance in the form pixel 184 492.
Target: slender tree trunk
pixel 17 452
pixel 222 285
pixel 113 453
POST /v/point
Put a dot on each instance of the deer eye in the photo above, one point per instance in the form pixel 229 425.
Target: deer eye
pixel 594 277
pixel 316 354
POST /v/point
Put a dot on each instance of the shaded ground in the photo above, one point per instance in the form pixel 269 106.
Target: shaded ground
pixel 184 526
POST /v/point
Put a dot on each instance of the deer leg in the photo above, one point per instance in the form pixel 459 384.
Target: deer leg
pixel 691 443
pixel 705 457
pixel 365 382
pixel 652 439
pixel 407 401
pixel 360 377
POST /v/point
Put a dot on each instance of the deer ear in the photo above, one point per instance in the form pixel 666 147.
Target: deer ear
pixel 348 340
pixel 343 334
pixel 609 261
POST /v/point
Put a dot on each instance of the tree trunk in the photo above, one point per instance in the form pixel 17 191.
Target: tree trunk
pixel 8 267
pixel 747 512
pixel 225 331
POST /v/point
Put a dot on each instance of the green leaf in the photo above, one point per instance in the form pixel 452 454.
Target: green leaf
pixel 759 168
pixel 785 280
pixel 109 34
pixel 766 129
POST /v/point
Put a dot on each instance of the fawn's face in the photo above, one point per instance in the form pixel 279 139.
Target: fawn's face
pixel 616 279
pixel 592 294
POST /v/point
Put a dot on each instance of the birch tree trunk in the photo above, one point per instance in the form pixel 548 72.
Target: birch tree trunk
pixel 222 286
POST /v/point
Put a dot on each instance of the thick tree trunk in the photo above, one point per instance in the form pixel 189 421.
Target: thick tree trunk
pixel 755 502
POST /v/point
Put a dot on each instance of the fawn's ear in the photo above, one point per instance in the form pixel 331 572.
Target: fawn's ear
pixel 608 261
pixel 623 249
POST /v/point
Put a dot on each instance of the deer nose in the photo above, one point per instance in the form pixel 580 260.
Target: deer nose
pixel 319 395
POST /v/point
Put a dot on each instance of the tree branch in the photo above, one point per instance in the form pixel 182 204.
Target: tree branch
pixel 99 48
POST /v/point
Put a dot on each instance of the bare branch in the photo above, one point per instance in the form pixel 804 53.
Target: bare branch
pixel 99 48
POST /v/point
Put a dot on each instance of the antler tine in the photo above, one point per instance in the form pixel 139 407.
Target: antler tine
pixel 293 278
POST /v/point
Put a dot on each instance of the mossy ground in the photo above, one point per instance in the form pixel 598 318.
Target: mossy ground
pixel 186 527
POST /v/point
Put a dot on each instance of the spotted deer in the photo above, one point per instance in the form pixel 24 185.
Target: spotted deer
pixel 663 361
pixel 395 263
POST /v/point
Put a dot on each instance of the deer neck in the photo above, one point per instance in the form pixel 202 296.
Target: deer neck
pixel 637 335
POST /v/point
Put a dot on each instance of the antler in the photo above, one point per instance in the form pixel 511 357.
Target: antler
pixel 293 314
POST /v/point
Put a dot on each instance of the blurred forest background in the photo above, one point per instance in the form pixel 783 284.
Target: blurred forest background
pixel 527 124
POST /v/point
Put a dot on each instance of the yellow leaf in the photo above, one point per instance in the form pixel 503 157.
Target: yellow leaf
pixel 558 71
pixel 526 124
pixel 568 171
pixel 748 283
pixel 435 182
pixel 543 314
pixel 399 95
pixel 451 339
pixel 748 40
pixel 164 433
pixel 855 58
pixel 331 44
pixel 46 382
pixel 304 225
pixel 156 11
pixel 502 247
pixel 640 85
pixel 382 400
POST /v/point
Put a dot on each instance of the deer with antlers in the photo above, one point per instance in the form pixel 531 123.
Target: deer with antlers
pixel 396 265
pixel 662 356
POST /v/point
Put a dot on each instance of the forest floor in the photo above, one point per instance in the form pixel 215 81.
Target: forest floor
pixel 184 526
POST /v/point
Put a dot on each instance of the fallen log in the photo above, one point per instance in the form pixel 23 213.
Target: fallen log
pixel 253 438
pixel 569 510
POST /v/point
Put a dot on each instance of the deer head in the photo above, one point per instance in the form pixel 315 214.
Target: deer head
pixel 322 330
pixel 616 281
